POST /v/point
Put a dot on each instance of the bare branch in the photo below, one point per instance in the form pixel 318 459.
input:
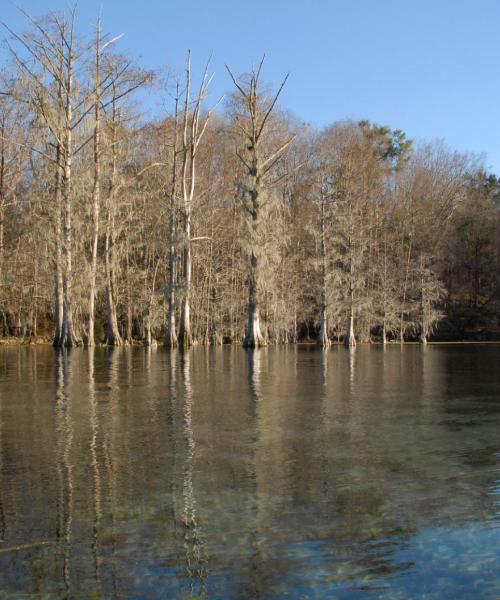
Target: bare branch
pixel 242 91
pixel 271 107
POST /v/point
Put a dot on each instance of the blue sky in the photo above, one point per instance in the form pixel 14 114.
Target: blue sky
pixel 429 68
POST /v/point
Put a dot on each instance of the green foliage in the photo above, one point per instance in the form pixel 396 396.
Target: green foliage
pixel 390 144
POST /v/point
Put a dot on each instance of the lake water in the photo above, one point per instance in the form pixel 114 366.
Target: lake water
pixel 279 473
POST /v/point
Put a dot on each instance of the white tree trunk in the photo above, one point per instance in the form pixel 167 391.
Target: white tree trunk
pixel 185 338
pixel 253 337
pixel 350 338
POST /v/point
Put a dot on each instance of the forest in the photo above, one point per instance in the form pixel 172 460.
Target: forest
pixel 224 220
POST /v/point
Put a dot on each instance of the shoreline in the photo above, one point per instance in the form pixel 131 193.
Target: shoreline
pixel 10 342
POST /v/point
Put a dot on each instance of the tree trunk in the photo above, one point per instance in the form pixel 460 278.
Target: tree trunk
pixel 350 338
pixel 95 190
pixel 2 196
pixel 185 339
pixel 113 337
pixel 148 340
pixel 323 339
pixel 384 333
pixel 58 268
pixel 253 337
pixel 423 324
pixel 128 326
pixel 68 337
pixel 407 272
pixel 423 319
pixel 171 335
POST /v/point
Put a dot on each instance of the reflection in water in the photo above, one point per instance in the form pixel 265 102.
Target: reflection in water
pixel 2 512
pixel 194 545
pixel 96 473
pixel 112 452
pixel 64 429
pixel 324 368
pixel 254 587
pixel 352 364
pixel 267 474
pixel 254 356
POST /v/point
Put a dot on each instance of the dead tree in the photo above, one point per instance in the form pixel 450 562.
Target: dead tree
pixel 193 128
pixel 252 121
pixel 171 335
pixel 48 59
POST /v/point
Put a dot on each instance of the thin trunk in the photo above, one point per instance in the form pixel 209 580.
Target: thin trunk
pixel 171 336
pixel 423 316
pixel 350 338
pixel 34 312
pixel 148 337
pixel 187 193
pixel 128 332
pixel 323 339
pixel 384 297
pixel 185 338
pixel 210 326
pixel 407 272
pixel 96 189
pixel 113 337
pixel 192 135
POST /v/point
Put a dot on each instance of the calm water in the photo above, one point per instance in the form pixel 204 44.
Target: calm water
pixel 281 473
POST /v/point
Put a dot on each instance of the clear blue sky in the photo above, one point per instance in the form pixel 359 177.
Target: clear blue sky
pixel 430 68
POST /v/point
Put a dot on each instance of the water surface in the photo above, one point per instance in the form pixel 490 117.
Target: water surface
pixel 279 473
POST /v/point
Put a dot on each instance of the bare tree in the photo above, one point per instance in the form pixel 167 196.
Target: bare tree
pixel 252 122
pixel 194 126
pixel 171 334
pixel 48 58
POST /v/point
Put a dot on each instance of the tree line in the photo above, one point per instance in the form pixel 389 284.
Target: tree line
pixel 224 222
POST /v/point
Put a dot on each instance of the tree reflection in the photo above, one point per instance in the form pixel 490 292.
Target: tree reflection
pixel 352 365
pixel 96 472
pixel 2 510
pixel 112 451
pixel 270 469
pixel 254 358
pixel 194 544
pixel 64 430
pixel 257 567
